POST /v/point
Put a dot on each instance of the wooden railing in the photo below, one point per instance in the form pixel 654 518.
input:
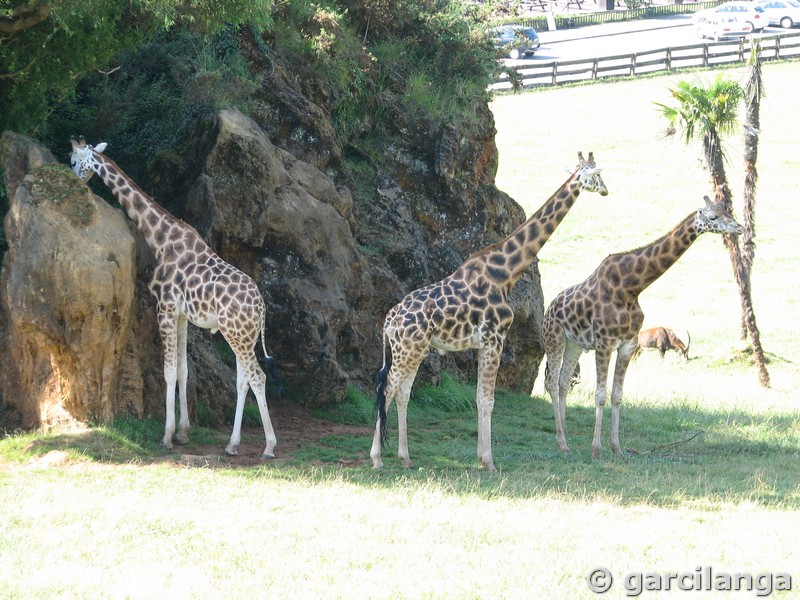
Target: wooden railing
pixel 708 54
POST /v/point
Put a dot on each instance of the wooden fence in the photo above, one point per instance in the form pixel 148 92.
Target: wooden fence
pixel 707 54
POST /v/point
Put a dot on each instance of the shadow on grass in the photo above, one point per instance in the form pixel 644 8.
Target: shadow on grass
pixel 126 440
pixel 673 454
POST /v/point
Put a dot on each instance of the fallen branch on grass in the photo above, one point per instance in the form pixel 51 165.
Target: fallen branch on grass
pixel 663 448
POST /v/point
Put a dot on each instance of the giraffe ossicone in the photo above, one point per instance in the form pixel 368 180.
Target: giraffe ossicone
pixel 468 309
pixel 602 313
pixel 191 284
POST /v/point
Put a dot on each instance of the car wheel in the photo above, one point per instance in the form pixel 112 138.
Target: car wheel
pixel 787 23
pixel 513 54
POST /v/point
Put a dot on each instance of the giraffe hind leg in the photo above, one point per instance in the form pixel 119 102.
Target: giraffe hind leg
pixel 182 437
pixel 602 358
pixel 232 449
pixel 403 397
pixel 250 376
pixel 383 394
pixel 554 348
pixel 398 388
pixel 572 354
pixel 624 354
pixel 258 383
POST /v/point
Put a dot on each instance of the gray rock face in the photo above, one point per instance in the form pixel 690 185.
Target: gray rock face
pixel 286 223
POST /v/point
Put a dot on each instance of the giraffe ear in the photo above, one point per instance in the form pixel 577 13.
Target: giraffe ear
pixel 100 147
pixel 709 204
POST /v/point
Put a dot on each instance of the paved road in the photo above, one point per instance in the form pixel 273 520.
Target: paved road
pixel 624 37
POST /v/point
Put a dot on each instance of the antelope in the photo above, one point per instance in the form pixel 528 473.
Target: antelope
pixel 663 339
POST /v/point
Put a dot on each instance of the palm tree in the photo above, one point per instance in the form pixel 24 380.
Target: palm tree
pixel 753 92
pixel 710 113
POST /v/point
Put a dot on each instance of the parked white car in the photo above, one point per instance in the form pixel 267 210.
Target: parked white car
pixel 785 13
pixel 748 12
pixel 719 28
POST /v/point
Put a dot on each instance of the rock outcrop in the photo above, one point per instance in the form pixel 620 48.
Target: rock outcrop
pixel 67 294
pixel 334 239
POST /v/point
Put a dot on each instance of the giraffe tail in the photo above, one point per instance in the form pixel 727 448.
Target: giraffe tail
pixel 380 389
pixel 269 365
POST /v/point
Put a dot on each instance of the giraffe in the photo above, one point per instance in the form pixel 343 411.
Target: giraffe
pixel 190 283
pixel 602 313
pixel 468 309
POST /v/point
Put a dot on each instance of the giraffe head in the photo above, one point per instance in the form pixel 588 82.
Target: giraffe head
pixel 715 218
pixel 82 158
pixel 589 175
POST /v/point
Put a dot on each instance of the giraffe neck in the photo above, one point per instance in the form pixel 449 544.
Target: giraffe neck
pixel 152 219
pixel 509 258
pixel 641 267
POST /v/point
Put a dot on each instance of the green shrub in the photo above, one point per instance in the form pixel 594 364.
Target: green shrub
pixel 143 107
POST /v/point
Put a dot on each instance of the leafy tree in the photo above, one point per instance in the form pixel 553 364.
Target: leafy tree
pixel 710 113
pixel 48 46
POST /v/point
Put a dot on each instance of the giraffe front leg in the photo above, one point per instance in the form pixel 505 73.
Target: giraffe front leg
pixel 624 355
pixel 488 363
pixel 241 393
pixel 602 358
pixel 168 330
pixel 182 437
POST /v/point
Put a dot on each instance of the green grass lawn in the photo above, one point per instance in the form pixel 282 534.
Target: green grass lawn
pixel 711 475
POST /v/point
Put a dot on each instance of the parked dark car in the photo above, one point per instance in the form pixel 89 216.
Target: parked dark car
pixel 515 41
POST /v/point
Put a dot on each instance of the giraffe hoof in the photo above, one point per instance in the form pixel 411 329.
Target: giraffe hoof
pixel 266 456
pixel 165 446
pixel 231 452
pixel 180 440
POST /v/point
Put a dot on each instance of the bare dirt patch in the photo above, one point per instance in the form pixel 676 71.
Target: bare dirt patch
pixel 294 427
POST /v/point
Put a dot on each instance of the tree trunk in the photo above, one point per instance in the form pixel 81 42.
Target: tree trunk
pixel 741 273
pixel 753 93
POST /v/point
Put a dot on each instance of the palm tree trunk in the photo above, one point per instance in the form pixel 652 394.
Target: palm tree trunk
pixel 753 93
pixel 741 272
